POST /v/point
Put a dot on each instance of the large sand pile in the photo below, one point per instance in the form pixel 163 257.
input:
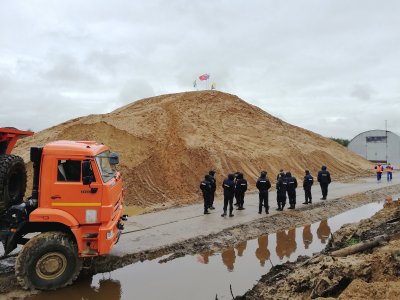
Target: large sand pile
pixel 167 144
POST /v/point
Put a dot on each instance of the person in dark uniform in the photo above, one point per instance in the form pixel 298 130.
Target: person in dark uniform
pixel 279 174
pixel 229 190
pixel 281 191
pixel 291 189
pixel 213 188
pixel 308 181
pixel 206 188
pixel 324 179
pixel 236 174
pixel 263 185
pixel 240 190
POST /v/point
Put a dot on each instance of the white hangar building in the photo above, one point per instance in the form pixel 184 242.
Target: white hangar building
pixel 377 146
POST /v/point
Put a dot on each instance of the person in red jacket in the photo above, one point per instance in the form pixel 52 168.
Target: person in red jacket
pixel 389 171
pixel 379 170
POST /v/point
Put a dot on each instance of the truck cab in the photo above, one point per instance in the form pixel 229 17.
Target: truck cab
pixel 79 188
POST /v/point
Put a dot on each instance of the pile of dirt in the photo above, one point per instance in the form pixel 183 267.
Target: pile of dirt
pixel 371 274
pixel 167 144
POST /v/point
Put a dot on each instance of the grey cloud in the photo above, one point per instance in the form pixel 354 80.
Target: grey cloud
pixel 363 92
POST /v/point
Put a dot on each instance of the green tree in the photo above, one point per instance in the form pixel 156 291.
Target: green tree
pixel 343 142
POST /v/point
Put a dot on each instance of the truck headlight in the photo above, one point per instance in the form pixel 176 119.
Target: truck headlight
pixel 91 216
pixel 109 235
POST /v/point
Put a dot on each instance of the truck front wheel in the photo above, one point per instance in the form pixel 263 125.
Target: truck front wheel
pixel 48 261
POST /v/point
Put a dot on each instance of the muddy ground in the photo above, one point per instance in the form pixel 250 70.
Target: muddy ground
pixel 222 240
pixel 370 274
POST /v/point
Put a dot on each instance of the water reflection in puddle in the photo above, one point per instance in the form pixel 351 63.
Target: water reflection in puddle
pixel 206 275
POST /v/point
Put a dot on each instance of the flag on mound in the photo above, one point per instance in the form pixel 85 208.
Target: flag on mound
pixel 204 77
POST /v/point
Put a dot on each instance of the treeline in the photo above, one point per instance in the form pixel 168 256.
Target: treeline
pixel 343 142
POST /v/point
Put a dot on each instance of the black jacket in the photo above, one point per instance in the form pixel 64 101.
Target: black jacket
pixel 241 185
pixel 291 183
pixel 263 184
pixel 213 182
pixel 281 186
pixel 205 187
pixel 324 177
pixel 308 181
pixel 229 187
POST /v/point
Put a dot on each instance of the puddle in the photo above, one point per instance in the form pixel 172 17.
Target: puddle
pixel 206 275
pixel 133 210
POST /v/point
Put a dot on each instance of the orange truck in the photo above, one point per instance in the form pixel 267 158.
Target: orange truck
pixel 75 207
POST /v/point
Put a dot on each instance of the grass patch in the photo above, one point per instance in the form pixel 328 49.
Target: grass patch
pixel 352 241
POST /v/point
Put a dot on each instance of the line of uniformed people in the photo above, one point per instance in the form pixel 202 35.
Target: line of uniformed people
pixel 235 186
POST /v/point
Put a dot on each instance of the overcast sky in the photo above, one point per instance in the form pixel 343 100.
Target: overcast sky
pixel 332 67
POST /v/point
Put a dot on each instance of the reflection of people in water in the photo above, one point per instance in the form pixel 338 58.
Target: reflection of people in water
pixel 262 251
pixel 83 289
pixel 203 257
pixel 286 243
pixel 281 241
pixel 228 258
pixel 241 247
pixel 307 236
pixel 323 231
pixel 292 245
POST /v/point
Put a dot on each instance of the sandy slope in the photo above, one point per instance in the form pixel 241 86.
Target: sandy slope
pixel 167 144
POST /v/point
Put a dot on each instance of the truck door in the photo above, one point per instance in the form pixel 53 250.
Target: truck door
pixel 71 195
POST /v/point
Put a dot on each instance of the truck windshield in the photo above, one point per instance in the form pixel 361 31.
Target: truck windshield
pixel 103 162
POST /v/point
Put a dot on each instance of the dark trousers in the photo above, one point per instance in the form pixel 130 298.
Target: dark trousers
pixel 240 199
pixel 292 197
pixel 228 199
pixel 378 176
pixel 212 198
pixel 324 189
pixel 263 201
pixel 207 201
pixel 281 199
pixel 389 176
pixel 307 193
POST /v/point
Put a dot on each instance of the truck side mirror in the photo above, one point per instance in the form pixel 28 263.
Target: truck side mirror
pixel 114 159
pixel 87 172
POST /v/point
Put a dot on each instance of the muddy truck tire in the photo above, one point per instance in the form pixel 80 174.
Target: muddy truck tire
pixel 12 181
pixel 48 261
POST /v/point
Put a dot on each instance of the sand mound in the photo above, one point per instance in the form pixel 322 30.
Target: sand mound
pixel 167 144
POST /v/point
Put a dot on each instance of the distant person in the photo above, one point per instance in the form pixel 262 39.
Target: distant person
pixel 240 190
pixel 205 187
pixel 389 171
pixel 229 190
pixel 308 181
pixel 281 187
pixel 213 188
pixel 279 174
pixel 263 185
pixel 379 170
pixel 236 195
pixel 324 179
pixel 291 185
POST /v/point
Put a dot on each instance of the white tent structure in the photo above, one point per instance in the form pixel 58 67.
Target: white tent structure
pixel 377 146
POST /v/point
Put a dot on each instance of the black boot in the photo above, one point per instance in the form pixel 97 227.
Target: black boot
pixel 305 202
pixel 231 214
pixel 206 212
pixel 279 206
pixel 267 210
pixel 224 214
